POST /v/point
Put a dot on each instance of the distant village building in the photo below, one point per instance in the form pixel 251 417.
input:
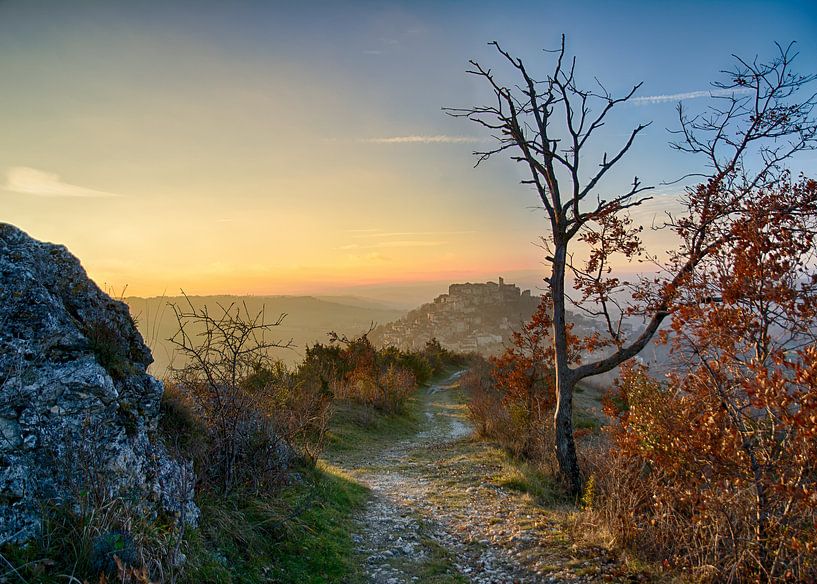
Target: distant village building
pixel 471 317
pixel 479 317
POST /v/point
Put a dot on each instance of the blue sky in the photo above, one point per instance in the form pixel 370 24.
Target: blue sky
pixel 272 147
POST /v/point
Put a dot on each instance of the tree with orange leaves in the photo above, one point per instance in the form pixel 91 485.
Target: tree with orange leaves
pixel 757 120
pixel 730 437
pixel 526 381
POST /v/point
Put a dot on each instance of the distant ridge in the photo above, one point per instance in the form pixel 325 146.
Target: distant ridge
pixel 363 302
pixel 308 320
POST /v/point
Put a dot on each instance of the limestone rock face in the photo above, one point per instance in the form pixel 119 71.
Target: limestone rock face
pixel 78 412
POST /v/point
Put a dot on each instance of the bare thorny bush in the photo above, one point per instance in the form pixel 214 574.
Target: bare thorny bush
pixel 252 413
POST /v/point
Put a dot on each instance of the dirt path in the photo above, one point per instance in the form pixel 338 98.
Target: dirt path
pixel 439 514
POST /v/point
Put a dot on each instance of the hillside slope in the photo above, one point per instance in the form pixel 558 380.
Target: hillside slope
pixel 307 320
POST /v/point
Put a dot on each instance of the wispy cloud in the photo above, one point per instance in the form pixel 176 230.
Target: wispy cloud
pixel 408 233
pixel 30 181
pixel 654 211
pixel 394 243
pixel 420 139
pixel 653 99
pixel 410 243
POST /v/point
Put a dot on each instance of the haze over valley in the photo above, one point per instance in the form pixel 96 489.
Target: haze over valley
pixel 307 320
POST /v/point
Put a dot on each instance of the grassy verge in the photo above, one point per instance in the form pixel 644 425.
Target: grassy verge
pixel 357 430
pixel 252 540
pixel 360 429
pixel 525 477
pixel 318 546
pixel 300 536
pixel 301 533
pixel 304 534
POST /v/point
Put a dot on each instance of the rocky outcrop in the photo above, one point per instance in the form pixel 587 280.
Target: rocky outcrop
pixel 78 412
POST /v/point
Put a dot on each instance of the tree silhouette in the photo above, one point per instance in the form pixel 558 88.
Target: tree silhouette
pixel 755 123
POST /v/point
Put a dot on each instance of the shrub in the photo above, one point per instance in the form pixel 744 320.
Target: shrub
pixel 730 498
pixel 353 369
pixel 484 401
pixel 726 441
pixel 299 408
pixel 513 396
pixel 241 414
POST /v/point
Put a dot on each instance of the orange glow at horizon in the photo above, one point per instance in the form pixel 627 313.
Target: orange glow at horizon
pixel 169 150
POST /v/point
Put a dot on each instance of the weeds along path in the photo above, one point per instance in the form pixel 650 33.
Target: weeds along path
pixel 444 509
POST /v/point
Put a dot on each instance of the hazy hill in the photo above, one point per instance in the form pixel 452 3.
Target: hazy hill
pixel 479 317
pixel 307 320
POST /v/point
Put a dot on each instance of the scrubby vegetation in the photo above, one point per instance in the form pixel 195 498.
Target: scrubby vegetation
pixel 354 370
pixel 708 470
pixel 254 430
pixel 513 396
pixel 717 460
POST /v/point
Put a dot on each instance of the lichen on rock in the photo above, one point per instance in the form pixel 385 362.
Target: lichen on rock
pixel 78 410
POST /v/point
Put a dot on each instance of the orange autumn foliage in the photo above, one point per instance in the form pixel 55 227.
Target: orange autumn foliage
pixel 727 443
pixel 517 398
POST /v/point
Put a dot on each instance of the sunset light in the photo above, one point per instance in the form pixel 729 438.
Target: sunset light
pixel 408 291
pixel 260 148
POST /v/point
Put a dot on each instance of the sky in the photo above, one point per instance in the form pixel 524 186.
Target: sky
pixel 263 147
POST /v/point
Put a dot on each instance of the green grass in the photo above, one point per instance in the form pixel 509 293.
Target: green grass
pixel 71 544
pixel 585 421
pixel 248 540
pixel 318 546
pixel 361 429
pixel 526 477
pixel 301 535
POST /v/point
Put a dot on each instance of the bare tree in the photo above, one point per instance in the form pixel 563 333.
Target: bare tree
pixel 755 124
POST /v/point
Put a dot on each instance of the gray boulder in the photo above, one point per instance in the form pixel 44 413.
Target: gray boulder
pixel 78 412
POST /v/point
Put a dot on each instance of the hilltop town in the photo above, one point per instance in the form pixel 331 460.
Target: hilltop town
pixel 479 317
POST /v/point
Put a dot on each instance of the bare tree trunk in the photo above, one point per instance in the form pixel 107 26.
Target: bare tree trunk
pixel 565 380
pixel 565 445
